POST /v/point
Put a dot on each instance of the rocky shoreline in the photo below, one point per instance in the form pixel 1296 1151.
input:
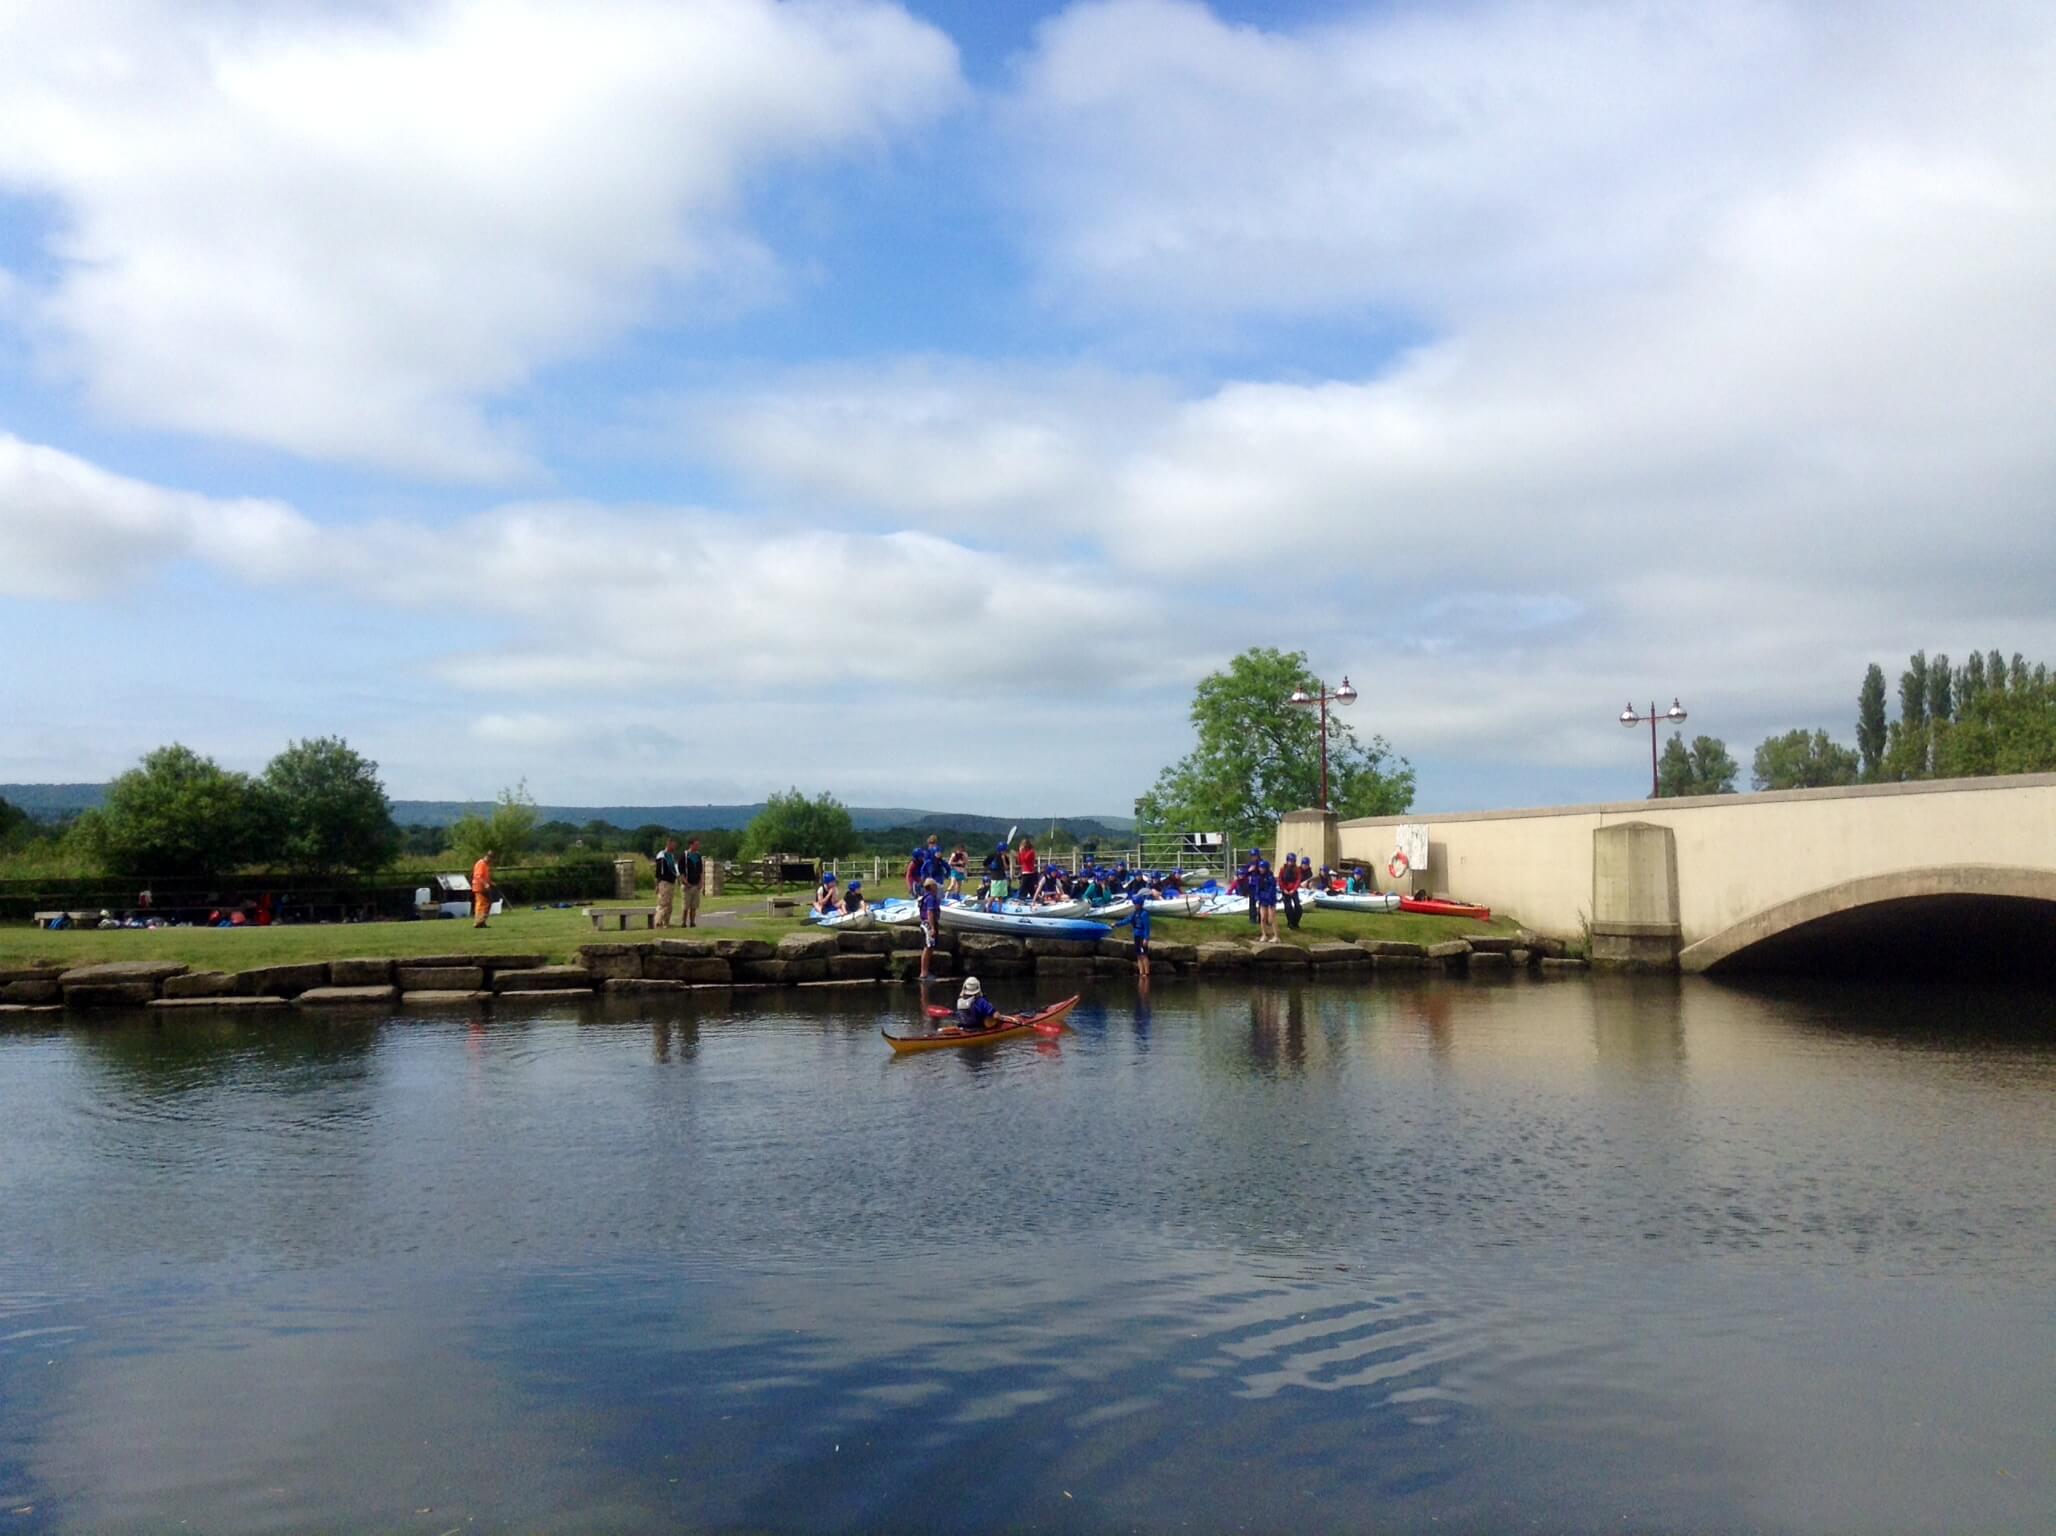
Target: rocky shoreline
pixel 813 959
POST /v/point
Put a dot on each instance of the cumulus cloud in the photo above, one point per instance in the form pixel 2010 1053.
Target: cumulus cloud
pixel 348 233
pixel 585 598
pixel 69 529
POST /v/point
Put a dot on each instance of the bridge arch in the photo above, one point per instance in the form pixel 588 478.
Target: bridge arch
pixel 1943 917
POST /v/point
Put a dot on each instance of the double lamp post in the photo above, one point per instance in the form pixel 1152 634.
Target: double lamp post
pixel 1321 697
pixel 1673 716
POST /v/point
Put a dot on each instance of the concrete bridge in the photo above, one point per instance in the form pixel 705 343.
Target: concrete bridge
pixel 1962 868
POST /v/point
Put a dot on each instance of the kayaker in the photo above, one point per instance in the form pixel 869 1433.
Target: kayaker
pixel 1138 921
pixel 917 865
pixel 959 863
pixel 826 898
pixel 1030 866
pixel 853 898
pixel 1288 888
pixel 996 868
pixel 1266 903
pixel 1249 882
pixel 974 1008
pixel 931 922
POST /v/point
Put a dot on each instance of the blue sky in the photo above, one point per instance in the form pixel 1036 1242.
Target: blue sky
pixel 668 402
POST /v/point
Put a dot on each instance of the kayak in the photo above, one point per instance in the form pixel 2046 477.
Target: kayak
pixel 1044 909
pixel 1020 926
pixel 1360 901
pixel 1445 908
pixel 1045 1021
pixel 1177 906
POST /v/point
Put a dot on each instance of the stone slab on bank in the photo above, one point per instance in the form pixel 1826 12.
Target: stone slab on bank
pixel 346 997
pixel 237 1003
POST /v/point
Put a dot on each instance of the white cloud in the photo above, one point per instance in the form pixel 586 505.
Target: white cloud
pixel 348 233
pixel 69 529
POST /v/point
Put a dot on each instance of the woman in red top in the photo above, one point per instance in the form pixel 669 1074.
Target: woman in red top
pixel 1027 866
pixel 1288 890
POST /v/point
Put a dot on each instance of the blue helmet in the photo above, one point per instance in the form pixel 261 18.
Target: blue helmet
pixel 856 885
pixel 829 878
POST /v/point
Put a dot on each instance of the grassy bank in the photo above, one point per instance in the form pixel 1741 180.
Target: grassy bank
pixel 557 934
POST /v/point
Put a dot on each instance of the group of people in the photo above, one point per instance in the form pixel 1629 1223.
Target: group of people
pixel 1268 889
pixel 680 880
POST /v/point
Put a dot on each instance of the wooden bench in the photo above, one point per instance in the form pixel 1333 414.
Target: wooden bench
pixel 621 918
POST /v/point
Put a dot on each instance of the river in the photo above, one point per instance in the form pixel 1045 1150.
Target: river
pixel 1620 1255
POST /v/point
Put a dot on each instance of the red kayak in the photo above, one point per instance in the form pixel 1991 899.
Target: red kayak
pixel 1047 1021
pixel 1445 908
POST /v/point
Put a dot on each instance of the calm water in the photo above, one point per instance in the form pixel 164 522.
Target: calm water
pixel 1552 1256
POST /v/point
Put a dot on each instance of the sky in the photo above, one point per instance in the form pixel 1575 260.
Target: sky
pixel 668 401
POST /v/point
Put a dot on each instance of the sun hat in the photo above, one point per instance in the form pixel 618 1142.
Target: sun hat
pixel 969 990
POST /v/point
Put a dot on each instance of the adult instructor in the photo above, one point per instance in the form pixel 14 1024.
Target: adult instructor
pixel 481 888
pixel 694 871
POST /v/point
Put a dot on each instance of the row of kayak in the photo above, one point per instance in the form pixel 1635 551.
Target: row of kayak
pixel 1077 920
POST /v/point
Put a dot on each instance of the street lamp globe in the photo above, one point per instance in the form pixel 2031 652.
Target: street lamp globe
pixel 1345 694
pixel 1629 717
pixel 1301 696
pixel 1675 712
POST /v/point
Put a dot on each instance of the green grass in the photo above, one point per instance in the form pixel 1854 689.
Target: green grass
pixel 556 935
pixel 553 934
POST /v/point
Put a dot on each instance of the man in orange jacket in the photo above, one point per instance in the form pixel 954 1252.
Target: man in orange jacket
pixel 482 888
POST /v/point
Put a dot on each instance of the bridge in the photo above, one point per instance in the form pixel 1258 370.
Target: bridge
pixel 1945 874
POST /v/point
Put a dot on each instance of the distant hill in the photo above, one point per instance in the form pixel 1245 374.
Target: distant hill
pixel 49 802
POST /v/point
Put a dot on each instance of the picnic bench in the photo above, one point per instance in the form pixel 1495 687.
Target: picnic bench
pixel 621 919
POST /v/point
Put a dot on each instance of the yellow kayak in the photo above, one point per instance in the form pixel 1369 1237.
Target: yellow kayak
pixel 1049 1021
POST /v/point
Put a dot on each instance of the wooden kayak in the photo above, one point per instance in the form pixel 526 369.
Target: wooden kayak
pixel 1445 908
pixel 1048 1021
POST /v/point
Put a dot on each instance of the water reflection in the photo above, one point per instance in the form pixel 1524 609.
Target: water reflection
pixel 1347 1255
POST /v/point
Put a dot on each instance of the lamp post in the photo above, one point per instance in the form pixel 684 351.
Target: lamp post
pixel 1321 697
pixel 1673 715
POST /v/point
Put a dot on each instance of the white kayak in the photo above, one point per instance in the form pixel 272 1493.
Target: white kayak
pixel 896 910
pixel 1363 901
pixel 1044 908
pixel 1192 905
pixel 978 920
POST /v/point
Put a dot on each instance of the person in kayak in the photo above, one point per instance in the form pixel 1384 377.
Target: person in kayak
pixel 853 898
pixel 931 922
pixel 974 1008
pixel 827 898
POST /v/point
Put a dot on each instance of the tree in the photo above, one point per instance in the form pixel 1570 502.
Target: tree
pixel 178 813
pixel 1705 768
pixel 1941 704
pixel 1797 760
pixel 329 807
pixel 1870 722
pixel 506 831
pixel 1970 680
pixel 1258 757
pixel 15 826
pixel 792 823
pixel 1995 672
pixel 2010 732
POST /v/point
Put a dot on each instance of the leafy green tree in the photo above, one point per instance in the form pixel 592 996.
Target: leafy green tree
pixel 508 830
pixel 1870 722
pixel 1258 756
pixel 1913 694
pixel 178 813
pixel 2010 732
pixel 330 809
pixel 1799 760
pixel 793 823
pixel 1704 768
pixel 16 828
pixel 1995 672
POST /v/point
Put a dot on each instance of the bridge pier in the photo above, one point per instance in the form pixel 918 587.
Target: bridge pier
pixel 1635 922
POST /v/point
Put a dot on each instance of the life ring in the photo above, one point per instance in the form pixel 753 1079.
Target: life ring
pixel 1399 865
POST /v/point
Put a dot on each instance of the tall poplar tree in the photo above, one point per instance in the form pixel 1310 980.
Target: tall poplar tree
pixel 1870 722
